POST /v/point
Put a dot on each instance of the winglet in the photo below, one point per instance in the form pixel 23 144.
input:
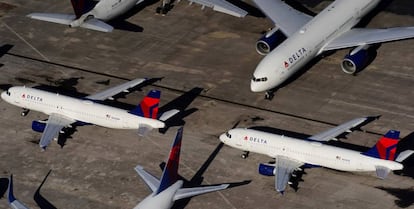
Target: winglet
pixel 170 173
pixel 386 147
pixel 149 105
pixel 10 196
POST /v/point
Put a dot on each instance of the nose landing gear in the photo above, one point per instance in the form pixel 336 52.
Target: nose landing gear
pixel 245 154
pixel 25 112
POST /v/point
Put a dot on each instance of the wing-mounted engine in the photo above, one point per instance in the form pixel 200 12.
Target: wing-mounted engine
pixel 39 125
pixel 269 41
pixel 358 59
pixel 267 170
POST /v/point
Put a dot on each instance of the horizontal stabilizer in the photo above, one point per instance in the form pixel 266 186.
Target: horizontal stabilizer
pixel 382 172
pixel 98 25
pixel 190 192
pixel 143 129
pixel 169 114
pixel 65 19
pixel 404 155
pixel 152 182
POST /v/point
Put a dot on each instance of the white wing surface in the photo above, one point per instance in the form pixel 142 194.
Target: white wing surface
pixel 336 131
pixel 190 192
pixel 65 19
pixel 55 123
pixel 107 94
pixel 152 182
pixel 222 6
pixel 364 36
pixel 289 20
pixel 284 168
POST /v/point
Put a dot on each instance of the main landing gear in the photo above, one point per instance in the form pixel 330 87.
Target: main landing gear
pixel 166 5
pixel 25 112
pixel 245 154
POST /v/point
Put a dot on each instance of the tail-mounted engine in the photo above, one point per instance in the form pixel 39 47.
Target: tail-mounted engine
pixel 267 170
pixel 269 41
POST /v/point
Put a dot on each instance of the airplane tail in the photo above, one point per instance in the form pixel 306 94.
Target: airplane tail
pixel 170 173
pixel 386 147
pixel 81 7
pixel 148 107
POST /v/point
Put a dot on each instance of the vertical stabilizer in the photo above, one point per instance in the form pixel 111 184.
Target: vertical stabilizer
pixel 81 7
pixel 386 147
pixel 149 105
pixel 170 173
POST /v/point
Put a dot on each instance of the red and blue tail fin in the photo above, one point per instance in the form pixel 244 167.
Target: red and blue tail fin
pixel 149 105
pixel 170 173
pixel 386 147
pixel 81 7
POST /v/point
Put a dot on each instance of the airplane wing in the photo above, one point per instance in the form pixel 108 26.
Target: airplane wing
pixel 289 20
pixel 284 167
pixel 365 36
pixel 336 131
pixel 55 123
pixel 98 25
pixel 65 19
pixel 152 182
pixel 13 202
pixel 222 6
pixel 107 94
pixel 190 192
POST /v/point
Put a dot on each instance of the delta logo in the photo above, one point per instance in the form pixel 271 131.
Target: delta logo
pixel 255 140
pixel 34 98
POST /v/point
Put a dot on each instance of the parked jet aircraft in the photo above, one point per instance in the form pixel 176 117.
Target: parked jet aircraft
pixel 169 189
pixel 308 37
pixel 13 202
pixel 93 14
pixel 64 110
pixel 291 154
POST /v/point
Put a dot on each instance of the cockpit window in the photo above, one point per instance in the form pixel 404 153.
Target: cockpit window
pixel 228 135
pixel 254 79
pixel 8 92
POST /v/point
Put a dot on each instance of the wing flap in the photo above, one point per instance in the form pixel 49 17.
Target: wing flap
pixel 289 20
pixel 55 123
pixel 364 36
pixel 98 25
pixel 190 192
pixel 151 181
pixel 65 19
pixel 222 6
pixel 284 168
pixel 338 130
pixel 115 90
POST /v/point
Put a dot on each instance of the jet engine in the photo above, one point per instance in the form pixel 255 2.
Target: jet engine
pixel 39 125
pixel 356 60
pixel 267 170
pixel 269 41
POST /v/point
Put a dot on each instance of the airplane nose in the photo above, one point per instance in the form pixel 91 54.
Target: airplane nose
pixel 3 95
pixel 222 138
pixel 257 86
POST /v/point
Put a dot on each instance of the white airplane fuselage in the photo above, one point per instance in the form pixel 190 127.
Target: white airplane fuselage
pixel 77 109
pixel 307 43
pixel 309 152
pixel 108 9
pixel 163 200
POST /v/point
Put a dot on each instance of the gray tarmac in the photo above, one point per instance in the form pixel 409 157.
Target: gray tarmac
pixel 192 48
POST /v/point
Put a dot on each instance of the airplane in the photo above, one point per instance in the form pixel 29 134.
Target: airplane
pixel 169 188
pixel 92 14
pixel 65 111
pixel 13 202
pixel 297 38
pixel 292 154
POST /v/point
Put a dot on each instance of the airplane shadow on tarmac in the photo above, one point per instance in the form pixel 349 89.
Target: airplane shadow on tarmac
pixel 4 183
pixel 3 50
pixel 42 202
